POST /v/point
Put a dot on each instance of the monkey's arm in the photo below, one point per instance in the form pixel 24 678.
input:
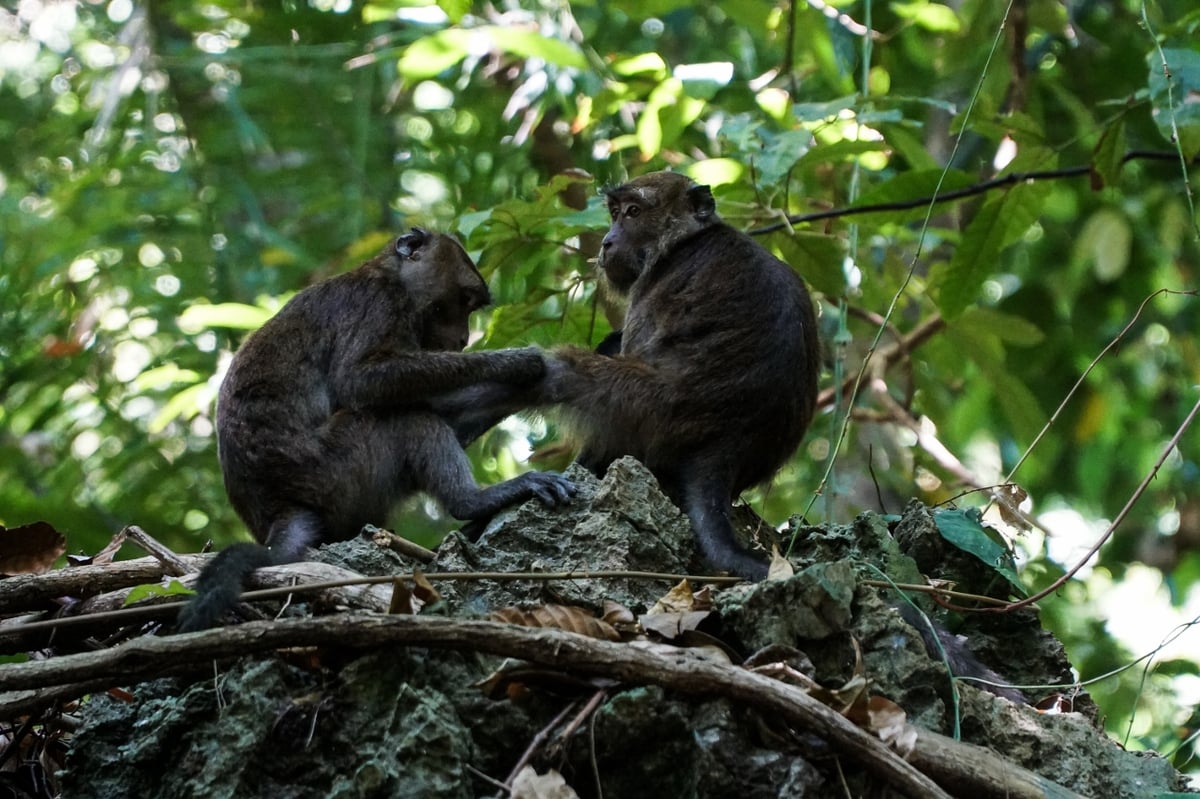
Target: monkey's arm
pixel 474 410
pixel 406 378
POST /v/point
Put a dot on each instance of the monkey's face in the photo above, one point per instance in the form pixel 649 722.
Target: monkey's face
pixel 650 215
pixel 443 285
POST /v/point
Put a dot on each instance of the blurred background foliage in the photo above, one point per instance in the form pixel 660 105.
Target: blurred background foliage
pixel 172 171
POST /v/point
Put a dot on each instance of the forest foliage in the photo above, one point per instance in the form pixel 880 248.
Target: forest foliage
pixel 173 171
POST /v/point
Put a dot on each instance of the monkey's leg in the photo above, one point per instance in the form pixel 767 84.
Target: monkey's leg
pixel 706 500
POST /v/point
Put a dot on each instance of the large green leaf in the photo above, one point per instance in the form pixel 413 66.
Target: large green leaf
pixel 434 54
pixel 999 223
pixel 964 529
pixel 818 259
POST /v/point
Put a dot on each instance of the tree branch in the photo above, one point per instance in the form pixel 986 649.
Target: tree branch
pixel 972 770
pixel 958 194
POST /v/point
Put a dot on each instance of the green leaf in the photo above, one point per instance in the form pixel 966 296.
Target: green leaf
pixel 840 151
pixel 816 257
pixel 163 376
pixel 531 44
pixel 773 162
pixel 153 590
pixel 431 55
pixel 984 347
pixel 906 187
pixel 1000 222
pixel 818 112
pixel 186 403
pixel 1106 243
pixel 930 16
pixel 1004 326
pixel 434 54
pixel 964 529
pixel 650 64
pixel 233 315
pixel 455 9
pixel 1107 157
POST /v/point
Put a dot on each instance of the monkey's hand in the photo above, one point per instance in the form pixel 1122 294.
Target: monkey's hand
pixel 551 489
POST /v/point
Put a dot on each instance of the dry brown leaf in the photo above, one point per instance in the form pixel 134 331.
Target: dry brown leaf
pixel 680 599
pixel 560 617
pixel 621 618
pixel 941 585
pixel 30 548
pixel 850 699
pixel 403 603
pixel 528 784
pixel 696 639
pixel 671 625
pixel 1009 498
pixel 1055 704
pixel 889 721
pixel 615 613
pixel 110 550
pixel 781 567
pixel 423 589
pixel 782 653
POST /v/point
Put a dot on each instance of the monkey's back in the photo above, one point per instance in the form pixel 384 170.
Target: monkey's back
pixel 734 329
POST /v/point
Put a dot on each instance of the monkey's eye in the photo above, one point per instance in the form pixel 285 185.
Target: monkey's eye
pixel 632 211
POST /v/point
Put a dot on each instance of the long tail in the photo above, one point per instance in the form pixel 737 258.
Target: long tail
pixel 220 585
pixel 221 582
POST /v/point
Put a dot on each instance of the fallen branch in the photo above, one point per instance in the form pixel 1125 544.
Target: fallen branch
pixel 970 770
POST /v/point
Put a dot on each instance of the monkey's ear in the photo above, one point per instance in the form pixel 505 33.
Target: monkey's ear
pixel 702 202
pixel 408 243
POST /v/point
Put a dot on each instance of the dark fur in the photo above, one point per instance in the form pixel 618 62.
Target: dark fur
pixel 715 379
pixel 326 418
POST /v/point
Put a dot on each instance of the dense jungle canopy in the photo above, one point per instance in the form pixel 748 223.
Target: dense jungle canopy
pixel 986 194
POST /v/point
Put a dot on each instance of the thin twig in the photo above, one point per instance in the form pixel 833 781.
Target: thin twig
pixel 174 565
pixel 1112 527
pixel 536 744
pixel 1078 383
pixel 1011 179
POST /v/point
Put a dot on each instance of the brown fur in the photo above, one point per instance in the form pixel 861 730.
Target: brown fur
pixel 715 380
pixel 326 417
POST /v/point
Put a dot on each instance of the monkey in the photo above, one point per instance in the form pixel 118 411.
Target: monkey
pixel 326 417
pixel 712 380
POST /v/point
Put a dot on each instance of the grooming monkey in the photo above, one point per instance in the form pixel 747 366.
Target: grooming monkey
pixel 325 420
pixel 713 379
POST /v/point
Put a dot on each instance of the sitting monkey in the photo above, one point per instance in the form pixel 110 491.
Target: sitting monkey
pixel 325 420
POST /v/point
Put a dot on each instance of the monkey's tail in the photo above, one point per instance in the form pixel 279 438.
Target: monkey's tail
pixel 221 582
pixel 220 585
